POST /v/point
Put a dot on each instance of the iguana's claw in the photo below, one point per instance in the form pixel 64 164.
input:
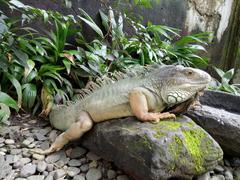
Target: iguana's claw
pixel 43 152
pixel 166 115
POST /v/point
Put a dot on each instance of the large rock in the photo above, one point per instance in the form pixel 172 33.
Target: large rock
pixel 223 125
pixel 155 151
pixel 221 100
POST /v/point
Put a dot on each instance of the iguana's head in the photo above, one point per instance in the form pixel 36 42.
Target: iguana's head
pixel 178 84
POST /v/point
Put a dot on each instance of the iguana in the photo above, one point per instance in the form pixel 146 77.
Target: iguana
pixel 144 95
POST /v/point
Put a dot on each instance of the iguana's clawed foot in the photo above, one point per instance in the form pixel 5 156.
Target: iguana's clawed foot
pixel 58 144
pixel 45 152
pixel 156 117
pixel 195 105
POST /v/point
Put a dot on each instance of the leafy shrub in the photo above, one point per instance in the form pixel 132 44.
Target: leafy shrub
pixel 224 84
pixel 36 67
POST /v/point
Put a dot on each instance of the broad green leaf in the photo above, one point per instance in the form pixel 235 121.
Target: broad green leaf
pixel 22 57
pixel 105 20
pixel 189 39
pixel 29 95
pixel 40 49
pixel 29 68
pixel 17 3
pixel 25 43
pixel 228 76
pixel 67 64
pixel 219 72
pixel 196 47
pixel 54 75
pixel 93 26
pixel 7 100
pixel 4 112
pixel 144 3
pixel 45 16
pixel 17 86
pixel 49 67
pixel 68 3
pixel 32 75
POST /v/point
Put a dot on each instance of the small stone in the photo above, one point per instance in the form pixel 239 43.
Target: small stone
pixel 1 140
pixel 41 166
pixel 228 175
pixel 111 174
pixel 15 151
pixel 36 177
pixel 235 162
pixel 12 175
pixel 74 163
pixel 25 160
pixel 236 173
pixel 94 174
pixel 216 177
pixel 32 145
pixel 52 135
pixel 73 171
pixel 9 141
pixel 92 156
pixel 45 173
pixel 52 158
pixel 18 165
pixel 59 173
pixel 63 159
pixel 4 150
pixel 20 179
pixel 28 170
pixel 122 177
pixel 93 164
pixel 1 144
pixel 83 160
pixel 84 168
pixel 79 177
pixel 46 130
pixel 227 163
pixel 26 153
pixel 10 159
pixel 77 152
pixel 27 141
pixel 44 145
pixel 40 137
pixel 38 157
pixel 50 167
pixel 218 169
pixel 49 177
pixel 2 153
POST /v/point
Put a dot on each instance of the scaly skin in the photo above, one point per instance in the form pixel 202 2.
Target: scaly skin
pixel 143 96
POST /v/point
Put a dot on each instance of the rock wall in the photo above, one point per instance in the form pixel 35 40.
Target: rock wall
pixel 192 16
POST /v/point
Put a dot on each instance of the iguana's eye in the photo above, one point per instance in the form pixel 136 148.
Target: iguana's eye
pixel 189 72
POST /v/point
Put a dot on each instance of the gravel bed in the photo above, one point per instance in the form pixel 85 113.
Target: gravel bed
pixel 73 162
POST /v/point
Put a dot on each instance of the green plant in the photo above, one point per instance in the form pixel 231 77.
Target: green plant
pixel 225 85
pixel 36 67
pixel 153 43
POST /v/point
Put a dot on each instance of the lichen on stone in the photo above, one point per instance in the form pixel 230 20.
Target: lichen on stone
pixel 193 139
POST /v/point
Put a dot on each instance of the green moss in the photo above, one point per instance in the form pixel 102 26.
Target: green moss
pixel 142 142
pixel 164 127
pixel 176 147
pixel 193 140
pixel 159 135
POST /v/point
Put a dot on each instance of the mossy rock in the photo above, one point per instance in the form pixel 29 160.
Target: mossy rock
pixel 155 151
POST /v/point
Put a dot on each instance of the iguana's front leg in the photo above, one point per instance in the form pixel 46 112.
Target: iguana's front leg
pixel 138 99
pixel 76 130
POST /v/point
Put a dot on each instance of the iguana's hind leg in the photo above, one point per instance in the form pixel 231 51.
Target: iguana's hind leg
pixel 75 131
pixel 138 100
